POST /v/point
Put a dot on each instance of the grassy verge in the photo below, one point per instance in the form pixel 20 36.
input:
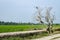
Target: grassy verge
pixel 39 35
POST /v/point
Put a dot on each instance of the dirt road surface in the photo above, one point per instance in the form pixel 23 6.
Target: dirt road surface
pixel 49 37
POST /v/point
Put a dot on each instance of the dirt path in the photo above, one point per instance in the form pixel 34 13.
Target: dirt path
pixel 20 33
pixel 49 37
pixel 57 39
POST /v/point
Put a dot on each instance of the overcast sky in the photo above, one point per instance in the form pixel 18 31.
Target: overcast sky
pixel 23 10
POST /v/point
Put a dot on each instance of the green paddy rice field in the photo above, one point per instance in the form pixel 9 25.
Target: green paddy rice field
pixel 13 28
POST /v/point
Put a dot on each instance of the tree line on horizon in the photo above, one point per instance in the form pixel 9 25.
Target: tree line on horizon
pixel 15 23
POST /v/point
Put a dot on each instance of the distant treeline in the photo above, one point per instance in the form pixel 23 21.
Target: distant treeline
pixel 14 23
pixel 7 23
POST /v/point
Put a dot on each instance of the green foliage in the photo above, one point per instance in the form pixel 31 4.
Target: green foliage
pixel 11 28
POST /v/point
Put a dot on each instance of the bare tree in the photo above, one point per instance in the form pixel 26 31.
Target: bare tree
pixel 48 18
pixel 39 16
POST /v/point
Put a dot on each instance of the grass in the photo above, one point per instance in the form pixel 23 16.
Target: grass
pixel 56 26
pixel 13 28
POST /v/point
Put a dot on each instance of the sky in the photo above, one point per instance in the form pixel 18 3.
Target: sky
pixel 24 10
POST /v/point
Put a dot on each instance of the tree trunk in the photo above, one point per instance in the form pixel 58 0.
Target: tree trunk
pixel 49 29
